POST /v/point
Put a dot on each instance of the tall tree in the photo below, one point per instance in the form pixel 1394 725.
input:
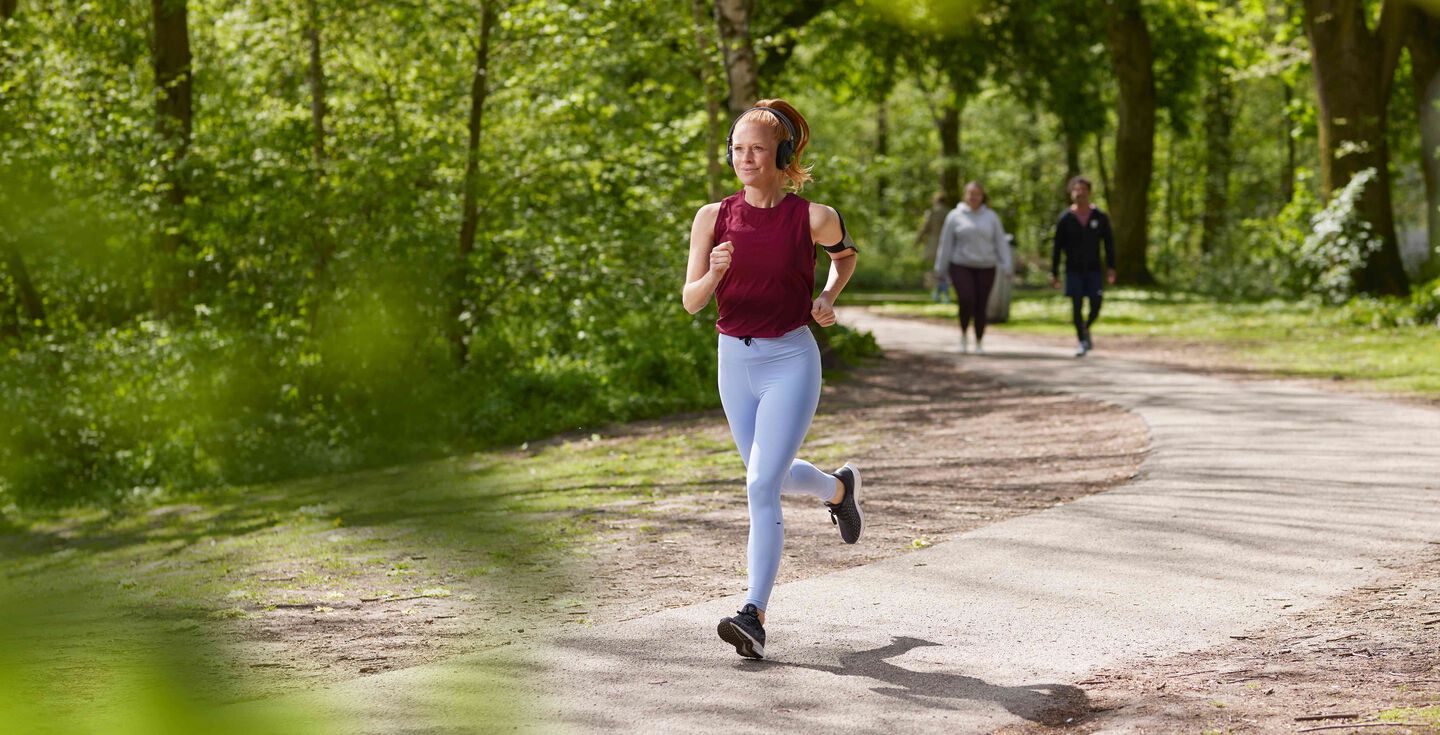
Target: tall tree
pixel 170 53
pixel 323 244
pixel 1354 67
pixel 29 302
pixel 732 18
pixel 1287 136
pixel 1219 119
pixel 1133 59
pixel 470 210
pixel 1105 186
pixel 714 126
pixel 1050 55
pixel 882 149
pixel 1424 44
pixel 947 110
pixel 948 125
pixel 315 78
pixel 953 43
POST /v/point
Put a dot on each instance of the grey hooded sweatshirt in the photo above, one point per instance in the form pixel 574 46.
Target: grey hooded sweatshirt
pixel 973 238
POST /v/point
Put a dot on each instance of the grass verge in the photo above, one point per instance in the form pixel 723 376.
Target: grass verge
pixel 1288 338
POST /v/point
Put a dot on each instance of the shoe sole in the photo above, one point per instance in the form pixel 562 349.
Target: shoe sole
pixel 855 473
pixel 743 643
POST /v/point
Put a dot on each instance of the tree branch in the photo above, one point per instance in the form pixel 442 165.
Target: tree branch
pixel 1395 16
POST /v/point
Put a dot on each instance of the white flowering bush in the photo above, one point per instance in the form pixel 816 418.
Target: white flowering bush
pixel 1339 242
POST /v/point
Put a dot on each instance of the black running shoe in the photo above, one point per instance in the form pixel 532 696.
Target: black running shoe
pixel 846 514
pixel 744 632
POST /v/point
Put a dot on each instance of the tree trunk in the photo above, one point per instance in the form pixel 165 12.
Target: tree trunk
pixel 173 123
pixel 1287 165
pixel 316 78
pixel 470 215
pixel 1172 200
pixel 9 320
pixel 15 265
pixel 1424 43
pixel 1072 157
pixel 1133 60
pixel 714 126
pixel 949 124
pixel 29 302
pixel 1105 188
pixel 1219 120
pixel 882 150
pixel 1038 209
pixel 322 243
pixel 1354 68
pixel 732 18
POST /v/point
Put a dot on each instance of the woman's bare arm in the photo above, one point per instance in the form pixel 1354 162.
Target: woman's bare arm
pixel 703 272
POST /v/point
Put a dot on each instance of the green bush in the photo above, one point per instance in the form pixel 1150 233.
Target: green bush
pixel 1425 301
pixel 138 412
pixel 851 346
pixel 1421 308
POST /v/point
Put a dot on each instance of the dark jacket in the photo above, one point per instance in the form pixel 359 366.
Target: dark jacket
pixel 1081 245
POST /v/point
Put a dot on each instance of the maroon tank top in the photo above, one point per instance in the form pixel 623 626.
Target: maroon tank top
pixel 767 291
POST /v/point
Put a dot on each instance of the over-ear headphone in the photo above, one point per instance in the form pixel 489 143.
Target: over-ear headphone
pixel 783 152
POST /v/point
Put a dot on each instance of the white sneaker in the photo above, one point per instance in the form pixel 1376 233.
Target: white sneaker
pixel 1081 350
pixel 964 344
pixel 979 347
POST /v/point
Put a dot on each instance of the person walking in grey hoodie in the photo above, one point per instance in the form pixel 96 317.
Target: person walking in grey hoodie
pixel 973 246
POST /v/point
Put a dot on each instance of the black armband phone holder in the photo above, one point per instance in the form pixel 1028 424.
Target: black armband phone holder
pixel 846 243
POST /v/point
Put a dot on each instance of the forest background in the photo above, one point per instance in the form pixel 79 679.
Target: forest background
pixel 244 241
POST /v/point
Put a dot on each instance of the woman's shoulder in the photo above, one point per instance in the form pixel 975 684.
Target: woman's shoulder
pixel 819 213
pixel 708 214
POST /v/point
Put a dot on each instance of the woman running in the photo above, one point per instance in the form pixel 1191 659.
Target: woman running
pixel 755 253
pixel 972 246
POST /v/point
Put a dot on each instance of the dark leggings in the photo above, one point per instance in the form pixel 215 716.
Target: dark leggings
pixel 1082 327
pixel 972 293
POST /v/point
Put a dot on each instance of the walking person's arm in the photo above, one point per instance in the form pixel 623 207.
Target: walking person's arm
pixel 1055 255
pixel 708 263
pixel 1109 236
pixel 1001 242
pixel 827 226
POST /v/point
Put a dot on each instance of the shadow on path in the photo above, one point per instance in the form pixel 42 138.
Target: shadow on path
pixel 1047 704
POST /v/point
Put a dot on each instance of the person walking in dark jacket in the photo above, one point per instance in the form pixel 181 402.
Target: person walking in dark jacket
pixel 1079 233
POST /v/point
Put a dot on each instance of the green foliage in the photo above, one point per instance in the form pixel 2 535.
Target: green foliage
pixel 1422 308
pixel 1339 243
pixel 851 346
pixel 1263 261
pixel 314 337
pixel 323 284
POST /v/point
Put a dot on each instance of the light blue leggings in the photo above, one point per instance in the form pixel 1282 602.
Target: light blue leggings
pixel 770 389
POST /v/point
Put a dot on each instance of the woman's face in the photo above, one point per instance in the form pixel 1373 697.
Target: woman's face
pixel 753 150
pixel 974 197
